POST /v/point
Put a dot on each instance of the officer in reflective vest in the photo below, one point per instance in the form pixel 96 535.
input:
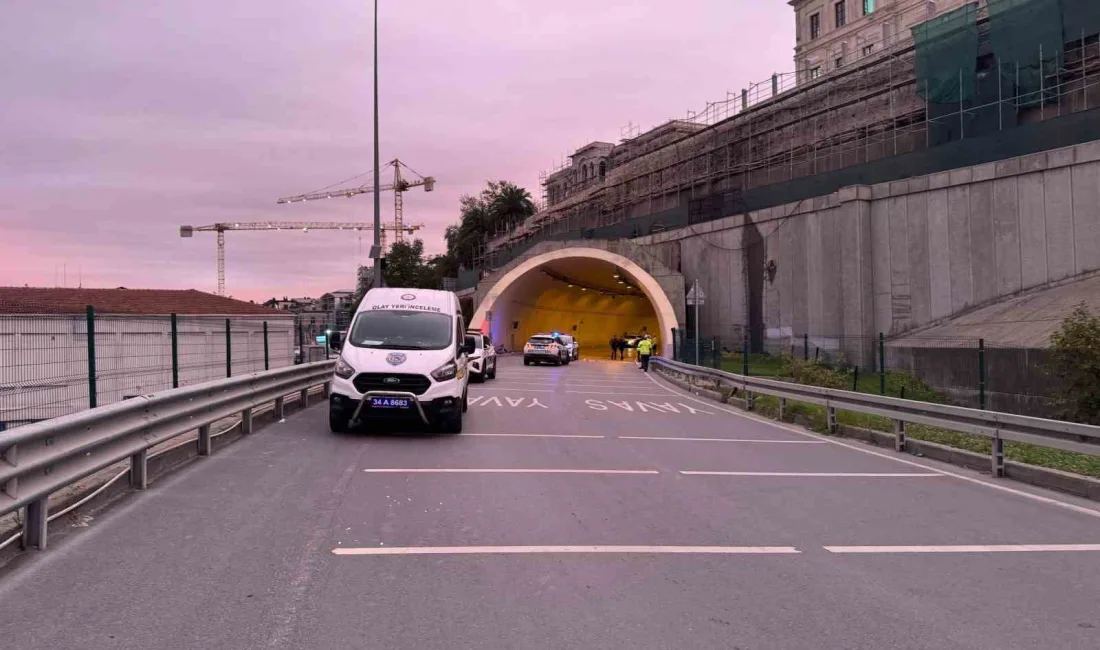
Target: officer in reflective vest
pixel 645 349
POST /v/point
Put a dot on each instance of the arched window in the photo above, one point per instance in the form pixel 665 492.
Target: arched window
pixel 603 169
pixel 584 173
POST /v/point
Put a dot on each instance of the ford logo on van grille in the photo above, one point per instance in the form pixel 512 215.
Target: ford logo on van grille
pixel 391 380
pixel 408 296
pixel 396 358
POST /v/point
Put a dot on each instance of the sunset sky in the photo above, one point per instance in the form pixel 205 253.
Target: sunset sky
pixel 122 120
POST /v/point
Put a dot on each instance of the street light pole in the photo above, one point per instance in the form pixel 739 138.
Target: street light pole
pixel 377 178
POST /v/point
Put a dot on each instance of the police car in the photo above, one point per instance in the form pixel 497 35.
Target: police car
pixel 546 348
pixel 482 362
pixel 405 357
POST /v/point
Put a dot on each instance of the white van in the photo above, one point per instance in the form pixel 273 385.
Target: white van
pixel 404 358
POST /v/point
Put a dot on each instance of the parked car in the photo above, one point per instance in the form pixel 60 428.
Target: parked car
pixel 571 345
pixel 483 361
pixel 545 348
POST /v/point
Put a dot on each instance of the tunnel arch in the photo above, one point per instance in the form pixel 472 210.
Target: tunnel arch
pixel 666 314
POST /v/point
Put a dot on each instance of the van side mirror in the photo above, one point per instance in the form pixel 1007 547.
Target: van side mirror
pixel 334 341
pixel 470 346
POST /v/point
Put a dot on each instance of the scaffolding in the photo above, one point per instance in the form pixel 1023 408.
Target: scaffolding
pixel 739 153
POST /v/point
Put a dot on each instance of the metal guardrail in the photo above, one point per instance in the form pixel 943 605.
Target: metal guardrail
pixel 997 426
pixel 39 459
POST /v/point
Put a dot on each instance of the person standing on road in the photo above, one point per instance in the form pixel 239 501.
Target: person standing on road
pixel 614 346
pixel 645 349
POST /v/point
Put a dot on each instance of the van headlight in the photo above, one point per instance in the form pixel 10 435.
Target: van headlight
pixel 447 371
pixel 344 369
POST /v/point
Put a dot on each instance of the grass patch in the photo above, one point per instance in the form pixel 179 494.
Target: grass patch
pixel 815 373
pixel 1066 461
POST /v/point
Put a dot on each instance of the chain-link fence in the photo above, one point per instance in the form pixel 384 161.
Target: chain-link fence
pixel 53 365
pixel 958 370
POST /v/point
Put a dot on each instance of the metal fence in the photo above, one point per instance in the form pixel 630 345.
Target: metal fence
pixel 958 370
pixel 54 365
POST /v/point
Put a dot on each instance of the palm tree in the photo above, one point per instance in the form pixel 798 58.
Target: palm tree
pixel 510 205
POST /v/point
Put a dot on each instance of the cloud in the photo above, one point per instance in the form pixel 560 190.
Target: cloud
pixel 122 121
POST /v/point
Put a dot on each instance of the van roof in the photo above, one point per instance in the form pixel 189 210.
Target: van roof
pixel 396 298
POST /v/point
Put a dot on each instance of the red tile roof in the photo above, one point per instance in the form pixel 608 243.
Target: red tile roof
pixel 30 300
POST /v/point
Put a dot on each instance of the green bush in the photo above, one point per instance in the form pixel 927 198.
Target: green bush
pixel 815 373
pixel 1075 363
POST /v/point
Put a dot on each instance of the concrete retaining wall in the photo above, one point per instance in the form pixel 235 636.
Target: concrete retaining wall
pixel 897 256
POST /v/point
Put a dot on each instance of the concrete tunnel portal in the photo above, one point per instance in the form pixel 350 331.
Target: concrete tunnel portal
pixel 591 294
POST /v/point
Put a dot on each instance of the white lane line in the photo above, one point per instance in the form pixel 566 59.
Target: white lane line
pixel 770 442
pixel 820 474
pixel 978 548
pixel 428 470
pixel 532 435
pixel 615 394
pixel 854 447
pixel 517 550
pixel 522 390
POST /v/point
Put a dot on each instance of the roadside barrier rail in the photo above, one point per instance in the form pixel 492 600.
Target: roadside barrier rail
pixel 39 459
pixel 997 426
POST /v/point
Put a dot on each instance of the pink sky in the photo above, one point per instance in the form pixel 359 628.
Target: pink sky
pixel 122 120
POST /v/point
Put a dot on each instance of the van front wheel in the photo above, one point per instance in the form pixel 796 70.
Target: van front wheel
pixel 452 423
pixel 338 421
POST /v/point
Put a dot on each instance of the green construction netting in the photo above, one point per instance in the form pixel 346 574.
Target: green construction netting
pixel 946 50
pixel 1027 43
pixel 1081 18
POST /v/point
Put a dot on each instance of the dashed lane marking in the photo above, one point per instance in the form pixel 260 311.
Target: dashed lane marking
pixel 547 550
pixel 770 442
pixel 819 474
pixel 429 470
pixel 976 548
pixel 533 435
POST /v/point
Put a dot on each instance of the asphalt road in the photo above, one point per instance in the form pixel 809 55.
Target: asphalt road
pixel 620 514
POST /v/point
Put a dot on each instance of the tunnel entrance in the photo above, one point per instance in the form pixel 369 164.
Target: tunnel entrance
pixel 591 294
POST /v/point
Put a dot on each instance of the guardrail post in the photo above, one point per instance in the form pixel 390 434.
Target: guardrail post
pixel 303 398
pixel 90 316
pixel 782 408
pixel 328 389
pixel 899 435
pixel 830 421
pixel 246 421
pixel 139 470
pixel 228 351
pixel 204 440
pixel 745 356
pixel 280 408
pixel 998 455
pixel 35 521
pixel 267 355
pixel 11 457
pixel 175 352
pixel 981 374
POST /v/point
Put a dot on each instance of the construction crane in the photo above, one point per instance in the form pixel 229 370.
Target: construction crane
pixel 271 226
pixel 399 186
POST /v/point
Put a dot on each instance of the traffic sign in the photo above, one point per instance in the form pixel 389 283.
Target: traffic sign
pixel 696 296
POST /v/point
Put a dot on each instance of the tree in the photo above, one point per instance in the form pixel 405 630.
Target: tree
pixel 406 267
pixel 1075 362
pixel 499 207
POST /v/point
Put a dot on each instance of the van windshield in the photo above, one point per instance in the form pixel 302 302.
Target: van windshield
pixel 401 330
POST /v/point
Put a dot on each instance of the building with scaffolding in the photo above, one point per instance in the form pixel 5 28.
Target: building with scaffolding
pixel 975 74
pixel 830 34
